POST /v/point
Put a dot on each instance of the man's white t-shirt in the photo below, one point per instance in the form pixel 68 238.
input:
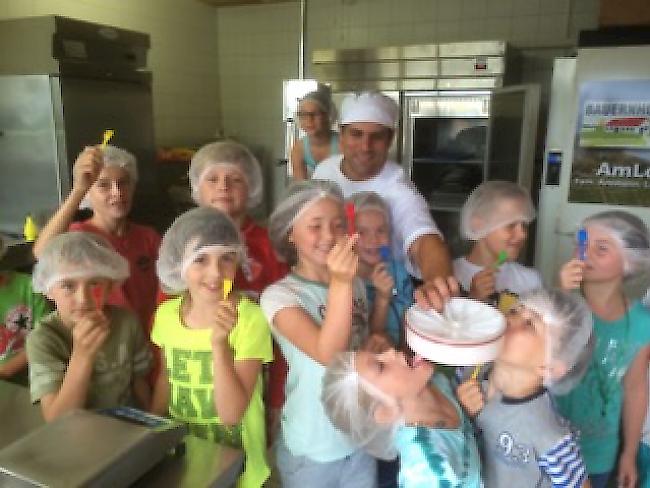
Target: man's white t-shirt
pixel 512 277
pixel 410 216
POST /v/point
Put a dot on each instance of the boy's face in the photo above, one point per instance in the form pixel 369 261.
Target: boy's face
pixel 75 297
pixel 224 187
pixel 112 194
pixel 525 341
pixel 316 231
pixel 390 372
pixel 205 275
pixel 604 258
pixel 373 233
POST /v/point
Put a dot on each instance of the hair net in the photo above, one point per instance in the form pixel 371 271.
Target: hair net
pixel 632 235
pixel 115 156
pixel 227 153
pixel 77 255
pixel 369 107
pixel 369 200
pixel 323 97
pixel 350 402
pixel 298 198
pixel 197 231
pixel 570 340
pixel 492 205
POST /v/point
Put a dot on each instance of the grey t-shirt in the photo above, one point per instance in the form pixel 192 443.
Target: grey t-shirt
pixel 124 354
pixel 525 443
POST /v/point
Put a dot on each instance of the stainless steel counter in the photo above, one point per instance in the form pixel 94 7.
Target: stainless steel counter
pixel 203 464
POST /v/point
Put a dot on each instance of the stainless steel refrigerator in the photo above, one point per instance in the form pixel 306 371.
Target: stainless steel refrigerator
pixel 62 83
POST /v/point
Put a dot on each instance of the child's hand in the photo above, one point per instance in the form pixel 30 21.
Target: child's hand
pixel 435 294
pixel 483 284
pixel 627 471
pixel 342 260
pixel 89 334
pixel 470 396
pixel 377 343
pixel 571 274
pixel 224 321
pixel 87 168
pixel 382 281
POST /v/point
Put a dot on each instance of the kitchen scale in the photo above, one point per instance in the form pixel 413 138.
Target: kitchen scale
pixel 107 448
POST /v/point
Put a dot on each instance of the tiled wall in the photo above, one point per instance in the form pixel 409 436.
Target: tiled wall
pixel 183 56
pixel 258 46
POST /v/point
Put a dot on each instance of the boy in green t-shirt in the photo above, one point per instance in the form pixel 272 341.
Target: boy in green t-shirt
pixel 20 309
pixel 85 354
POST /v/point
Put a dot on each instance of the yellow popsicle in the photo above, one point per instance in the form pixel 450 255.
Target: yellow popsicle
pixel 108 135
pixel 227 288
pixel 477 370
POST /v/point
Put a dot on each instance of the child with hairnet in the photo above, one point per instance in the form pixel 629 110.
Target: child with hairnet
pixel 227 176
pixel 612 399
pixel 316 114
pixel 546 348
pixel 214 340
pixel 389 407
pixel 317 311
pixel 388 284
pixel 495 218
pixel 86 353
pixel 104 180
pixel 20 310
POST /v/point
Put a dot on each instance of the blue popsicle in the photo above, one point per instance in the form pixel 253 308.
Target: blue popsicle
pixel 582 238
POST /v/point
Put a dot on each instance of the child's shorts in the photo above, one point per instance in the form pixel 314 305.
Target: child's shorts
pixel 358 470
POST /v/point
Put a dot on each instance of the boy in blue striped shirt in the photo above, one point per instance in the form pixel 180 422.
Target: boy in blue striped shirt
pixel 546 348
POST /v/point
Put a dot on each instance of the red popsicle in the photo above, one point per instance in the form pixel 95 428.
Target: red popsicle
pixel 349 214
pixel 98 296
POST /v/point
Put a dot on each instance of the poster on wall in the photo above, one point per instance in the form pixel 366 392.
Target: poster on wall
pixel 611 159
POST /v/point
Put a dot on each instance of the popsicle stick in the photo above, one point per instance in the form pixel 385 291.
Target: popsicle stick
pixel 349 214
pixel 108 135
pixel 227 288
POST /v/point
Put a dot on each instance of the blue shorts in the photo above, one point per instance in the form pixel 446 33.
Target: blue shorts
pixel 358 470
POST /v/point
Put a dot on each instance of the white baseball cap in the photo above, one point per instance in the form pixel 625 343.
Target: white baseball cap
pixel 369 107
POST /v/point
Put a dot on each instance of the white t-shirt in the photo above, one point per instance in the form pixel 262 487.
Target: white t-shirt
pixel 410 216
pixel 511 276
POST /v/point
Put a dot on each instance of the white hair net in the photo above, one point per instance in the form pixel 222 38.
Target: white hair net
pixel 569 336
pixel 197 231
pixel 298 197
pixel 630 232
pixel 350 402
pixel 227 153
pixel 77 255
pixel 323 97
pixel 492 205
pixel 121 158
pixel 369 200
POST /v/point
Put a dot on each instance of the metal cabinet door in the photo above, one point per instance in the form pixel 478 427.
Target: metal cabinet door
pixel 30 170
pixel 512 134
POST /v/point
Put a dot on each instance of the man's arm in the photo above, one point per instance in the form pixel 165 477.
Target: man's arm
pixel 430 255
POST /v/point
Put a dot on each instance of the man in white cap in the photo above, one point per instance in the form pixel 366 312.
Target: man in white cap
pixel 367 128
